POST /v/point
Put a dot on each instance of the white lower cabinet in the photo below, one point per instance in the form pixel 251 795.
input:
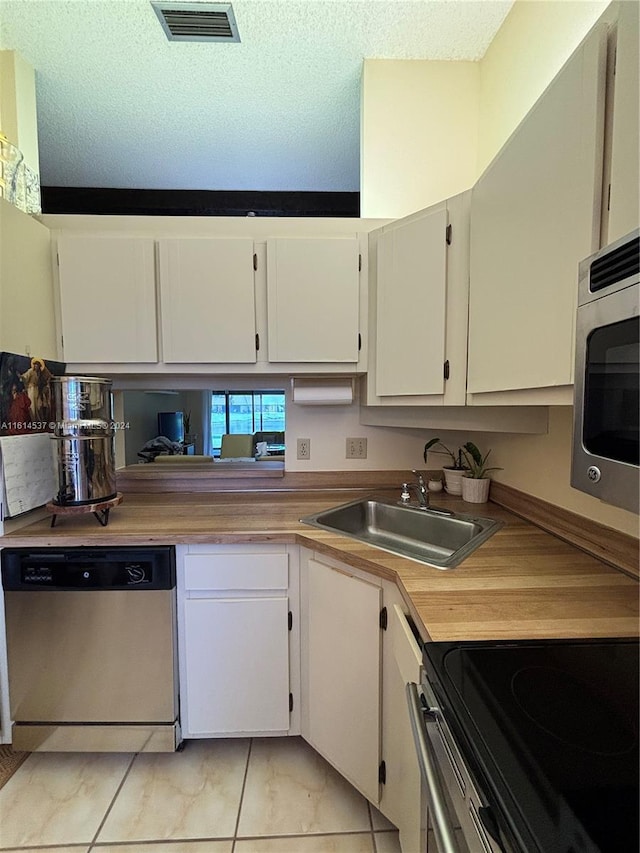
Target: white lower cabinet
pixel 281 640
pixel 237 606
pixel 340 639
pixel 401 797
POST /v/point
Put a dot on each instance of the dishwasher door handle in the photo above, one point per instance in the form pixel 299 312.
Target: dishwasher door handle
pixel 442 826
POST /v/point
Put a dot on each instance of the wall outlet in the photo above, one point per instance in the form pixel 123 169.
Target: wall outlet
pixel 356 448
pixel 304 448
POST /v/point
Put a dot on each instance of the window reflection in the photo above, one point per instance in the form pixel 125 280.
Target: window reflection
pixel 245 412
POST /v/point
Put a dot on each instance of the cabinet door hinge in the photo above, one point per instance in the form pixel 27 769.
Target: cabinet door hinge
pixel 290 620
pixel 359 263
pixel 290 702
pixel 257 342
pixel 446 369
pixel 382 773
pixel 255 261
pixel 383 618
pixel 449 232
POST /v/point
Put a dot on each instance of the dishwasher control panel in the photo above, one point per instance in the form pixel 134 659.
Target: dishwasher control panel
pixel 79 568
pixel 40 575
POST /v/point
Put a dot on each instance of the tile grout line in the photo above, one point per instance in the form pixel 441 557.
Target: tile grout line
pixel 328 833
pixel 373 834
pixel 44 847
pixel 244 785
pixel 112 803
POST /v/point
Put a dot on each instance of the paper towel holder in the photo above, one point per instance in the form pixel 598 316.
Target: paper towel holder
pixel 322 391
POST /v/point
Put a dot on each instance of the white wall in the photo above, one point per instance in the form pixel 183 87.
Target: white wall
pixel 328 428
pixel 18 116
pixel 419 130
pixel 531 46
pixel 429 129
pixel 540 465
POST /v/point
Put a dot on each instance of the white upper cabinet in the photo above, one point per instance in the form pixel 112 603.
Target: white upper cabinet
pixel 225 303
pixel 313 297
pixel 412 268
pixel 624 203
pixel 26 281
pixel 535 213
pixel 208 300
pixel 418 308
pixel 107 298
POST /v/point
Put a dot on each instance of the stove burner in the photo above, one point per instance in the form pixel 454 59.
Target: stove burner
pixel 571 712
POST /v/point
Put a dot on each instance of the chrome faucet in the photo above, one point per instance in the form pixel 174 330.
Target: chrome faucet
pixel 420 489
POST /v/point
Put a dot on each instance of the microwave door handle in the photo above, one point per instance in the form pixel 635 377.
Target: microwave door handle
pixel 442 826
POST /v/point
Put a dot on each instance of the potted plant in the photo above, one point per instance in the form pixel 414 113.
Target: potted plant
pixel 189 437
pixel 454 472
pixel 476 481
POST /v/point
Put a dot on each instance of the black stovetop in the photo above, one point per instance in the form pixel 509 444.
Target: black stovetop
pixel 550 728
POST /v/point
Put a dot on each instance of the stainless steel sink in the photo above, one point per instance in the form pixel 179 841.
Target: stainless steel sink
pixel 439 539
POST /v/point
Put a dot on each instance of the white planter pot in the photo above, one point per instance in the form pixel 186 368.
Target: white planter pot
pixel 453 481
pixel 475 491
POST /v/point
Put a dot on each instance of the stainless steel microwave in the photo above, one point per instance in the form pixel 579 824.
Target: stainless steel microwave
pixel 606 446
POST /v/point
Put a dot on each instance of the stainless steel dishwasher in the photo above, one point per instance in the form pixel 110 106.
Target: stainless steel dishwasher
pixel 91 646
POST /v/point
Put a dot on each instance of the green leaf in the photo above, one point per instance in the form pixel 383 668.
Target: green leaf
pixel 474 453
pixel 429 445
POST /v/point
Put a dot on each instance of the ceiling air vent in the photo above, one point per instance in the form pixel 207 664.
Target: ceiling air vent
pixel 197 21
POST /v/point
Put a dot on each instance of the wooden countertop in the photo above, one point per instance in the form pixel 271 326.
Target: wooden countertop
pixel 522 583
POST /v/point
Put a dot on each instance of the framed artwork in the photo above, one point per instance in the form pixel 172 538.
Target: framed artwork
pixel 26 404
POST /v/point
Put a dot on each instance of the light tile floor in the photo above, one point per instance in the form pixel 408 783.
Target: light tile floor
pixel 270 795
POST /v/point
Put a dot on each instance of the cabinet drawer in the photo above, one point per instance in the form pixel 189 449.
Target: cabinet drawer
pixel 236 571
pixel 406 650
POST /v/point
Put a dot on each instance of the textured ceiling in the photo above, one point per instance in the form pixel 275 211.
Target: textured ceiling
pixel 121 106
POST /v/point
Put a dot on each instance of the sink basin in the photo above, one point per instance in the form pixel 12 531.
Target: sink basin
pixel 431 537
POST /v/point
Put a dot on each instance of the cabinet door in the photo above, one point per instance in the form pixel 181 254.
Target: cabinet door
pixel 27 314
pixel 313 299
pixel 208 300
pixel 401 798
pixel 107 298
pixel 237 665
pixel 624 203
pixel 411 291
pixel 534 216
pixel 343 674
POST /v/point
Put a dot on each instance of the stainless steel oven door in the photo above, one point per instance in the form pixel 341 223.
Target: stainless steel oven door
pixel 606 407
pixel 454 805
